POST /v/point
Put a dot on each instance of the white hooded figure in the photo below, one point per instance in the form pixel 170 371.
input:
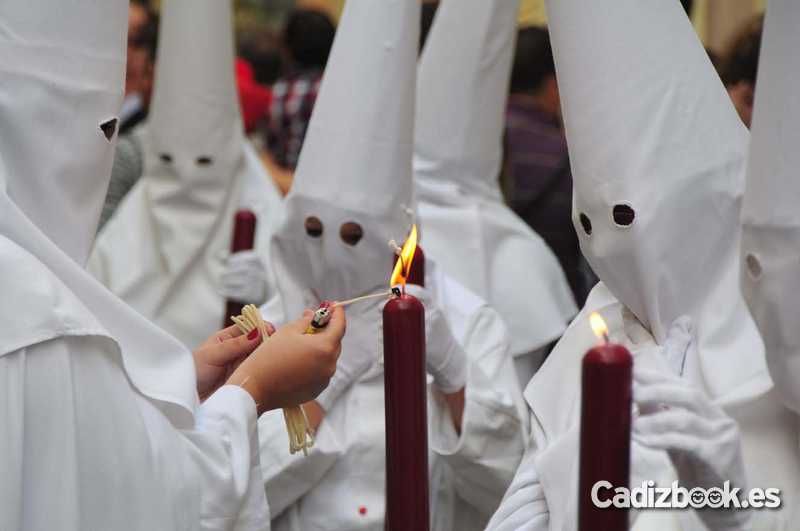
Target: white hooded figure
pixel 467 228
pixel 771 232
pixel 165 251
pixel 658 159
pixel 100 426
pixel 351 194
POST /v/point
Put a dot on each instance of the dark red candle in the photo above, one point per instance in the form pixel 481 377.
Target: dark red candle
pixel 605 434
pixel 406 400
pixel 242 239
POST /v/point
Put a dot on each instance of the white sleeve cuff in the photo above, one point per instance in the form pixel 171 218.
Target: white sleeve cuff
pixel 232 399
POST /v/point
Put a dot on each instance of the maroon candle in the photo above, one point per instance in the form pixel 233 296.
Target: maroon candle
pixel 605 433
pixel 406 397
pixel 406 400
pixel 242 239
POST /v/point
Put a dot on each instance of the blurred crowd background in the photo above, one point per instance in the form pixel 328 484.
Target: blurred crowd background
pixel 283 46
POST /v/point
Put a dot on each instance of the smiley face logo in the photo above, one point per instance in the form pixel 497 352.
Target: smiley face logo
pixel 697 498
pixel 714 498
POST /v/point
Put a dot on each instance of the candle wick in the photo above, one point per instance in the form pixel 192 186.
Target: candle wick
pixel 605 338
pixel 396 248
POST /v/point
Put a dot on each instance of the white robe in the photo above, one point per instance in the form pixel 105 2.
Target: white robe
pixel 345 470
pixel 543 495
pixel 82 449
pixel 128 260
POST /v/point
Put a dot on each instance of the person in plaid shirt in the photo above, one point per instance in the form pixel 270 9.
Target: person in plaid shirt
pixel 308 38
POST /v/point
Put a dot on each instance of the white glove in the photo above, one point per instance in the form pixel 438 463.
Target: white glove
pixel 361 349
pixel 701 440
pixel 446 360
pixel 244 278
pixel 524 506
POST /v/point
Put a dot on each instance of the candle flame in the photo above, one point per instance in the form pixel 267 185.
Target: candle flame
pixel 403 266
pixel 599 326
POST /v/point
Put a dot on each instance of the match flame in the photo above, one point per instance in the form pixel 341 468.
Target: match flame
pixel 599 326
pixel 403 266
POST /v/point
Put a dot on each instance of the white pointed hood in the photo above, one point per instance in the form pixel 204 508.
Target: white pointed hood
pixel 166 246
pixel 193 143
pixel 45 124
pixel 771 238
pixel 658 155
pixel 355 166
pixel 61 84
pixel 461 95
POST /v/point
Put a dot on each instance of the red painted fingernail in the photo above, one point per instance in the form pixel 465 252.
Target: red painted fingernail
pixel 253 334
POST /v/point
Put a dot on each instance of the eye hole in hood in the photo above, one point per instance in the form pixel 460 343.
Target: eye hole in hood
pixel 109 128
pixel 754 268
pixel 586 223
pixel 314 227
pixel 166 158
pixel 623 215
pixel 351 233
pixel 204 161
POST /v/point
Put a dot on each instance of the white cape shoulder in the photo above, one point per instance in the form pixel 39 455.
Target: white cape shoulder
pixel 555 387
pixel 36 306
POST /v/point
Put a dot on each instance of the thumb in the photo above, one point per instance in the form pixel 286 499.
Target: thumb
pixel 337 325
